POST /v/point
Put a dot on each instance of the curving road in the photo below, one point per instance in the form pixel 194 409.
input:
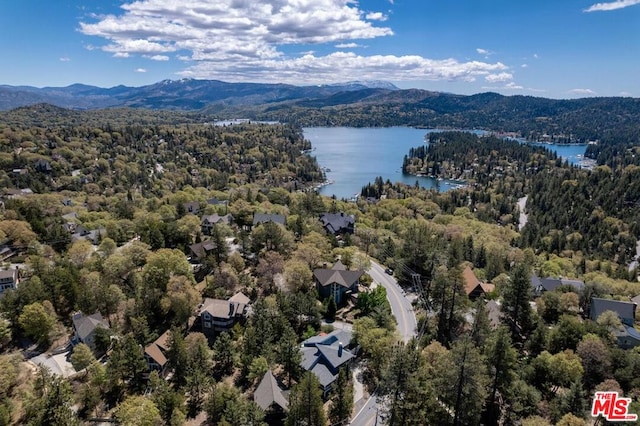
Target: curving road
pixel 369 414
pixel 400 303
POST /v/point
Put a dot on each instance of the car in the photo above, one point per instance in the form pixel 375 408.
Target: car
pixel 389 271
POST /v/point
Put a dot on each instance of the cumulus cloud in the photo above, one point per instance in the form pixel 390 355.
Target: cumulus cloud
pixel 141 70
pixel 245 40
pixel 613 5
pixel 483 51
pixel 65 59
pixel 499 78
pixel 524 66
pixel 582 92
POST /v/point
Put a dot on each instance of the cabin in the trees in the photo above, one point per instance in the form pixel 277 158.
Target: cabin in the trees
pixel 336 282
pixel 271 398
pixel 473 287
pixel 191 207
pixel 200 251
pixel 209 221
pixel 338 223
pixel 156 354
pixel 260 218
pixel 541 285
pixel 9 279
pixel 626 336
pixel 221 315
pixel 325 355
pixel 85 326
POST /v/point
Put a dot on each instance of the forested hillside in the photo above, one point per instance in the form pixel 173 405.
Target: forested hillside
pixel 161 270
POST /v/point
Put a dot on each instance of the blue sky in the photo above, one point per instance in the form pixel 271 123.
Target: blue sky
pixel 549 48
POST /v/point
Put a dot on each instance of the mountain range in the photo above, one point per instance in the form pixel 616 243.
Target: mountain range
pixel 185 94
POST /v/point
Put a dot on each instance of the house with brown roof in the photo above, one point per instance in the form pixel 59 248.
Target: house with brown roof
pixel 473 287
pixel 336 282
pixel 221 315
pixel 156 354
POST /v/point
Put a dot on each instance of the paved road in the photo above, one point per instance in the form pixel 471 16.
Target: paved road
pixel 400 303
pixel 369 414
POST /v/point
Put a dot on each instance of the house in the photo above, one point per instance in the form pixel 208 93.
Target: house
pixel 473 287
pixel 626 311
pixel 13 193
pixel 9 279
pixel 209 221
pixel 156 354
pixel 215 202
pixel 540 285
pixel 325 355
pixel 84 328
pixel 626 336
pixel 336 281
pixel 221 315
pixel 259 218
pixel 191 207
pixel 338 223
pixel 271 398
pixel 199 251
pixel 43 166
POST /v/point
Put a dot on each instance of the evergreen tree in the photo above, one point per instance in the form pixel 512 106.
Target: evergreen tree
pixel 331 309
pixel 342 401
pixel 516 310
pixel 502 363
pixel 305 403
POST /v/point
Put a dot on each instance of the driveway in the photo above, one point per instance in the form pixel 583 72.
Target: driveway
pixel 57 364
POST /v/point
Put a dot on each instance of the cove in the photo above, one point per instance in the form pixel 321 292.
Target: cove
pixel 353 157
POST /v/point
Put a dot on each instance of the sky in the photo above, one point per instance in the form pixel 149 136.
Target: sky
pixel 547 48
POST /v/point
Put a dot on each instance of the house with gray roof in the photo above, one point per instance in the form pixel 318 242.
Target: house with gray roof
pixel 338 223
pixel 9 279
pixel 221 315
pixel 626 311
pixel 209 221
pixel 85 326
pixel 324 355
pixel 259 218
pixel 271 398
pixel 336 281
pixel 541 285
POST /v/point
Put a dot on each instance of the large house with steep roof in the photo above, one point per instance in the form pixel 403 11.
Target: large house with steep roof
pixel 324 355
pixel 626 336
pixel 271 398
pixel 156 354
pixel 541 285
pixel 338 223
pixel 221 315
pixel 336 282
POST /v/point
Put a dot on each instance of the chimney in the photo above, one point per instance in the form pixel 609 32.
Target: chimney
pixel 339 349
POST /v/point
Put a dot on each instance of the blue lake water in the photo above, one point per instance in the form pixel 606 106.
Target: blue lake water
pixel 356 156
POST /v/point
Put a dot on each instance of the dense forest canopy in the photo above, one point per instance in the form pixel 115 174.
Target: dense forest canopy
pixel 150 222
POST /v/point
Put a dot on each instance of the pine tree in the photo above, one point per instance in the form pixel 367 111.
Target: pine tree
pixel 305 403
pixel 342 401
pixel 516 309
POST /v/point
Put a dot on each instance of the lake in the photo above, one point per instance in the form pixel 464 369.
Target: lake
pixel 354 157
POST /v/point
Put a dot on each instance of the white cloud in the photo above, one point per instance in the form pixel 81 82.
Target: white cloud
pixel 342 66
pixel 499 78
pixel 65 59
pixel 524 66
pixel 347 45
pixel 535 56
pixel 625 94
pixel 483 51
pixel 245 40
pixel 582 92
pixel 141 70
pixel 376 16
pixel 157 57
pixel 614 5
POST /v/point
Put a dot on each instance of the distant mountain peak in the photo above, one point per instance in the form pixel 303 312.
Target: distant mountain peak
pixel 369 84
